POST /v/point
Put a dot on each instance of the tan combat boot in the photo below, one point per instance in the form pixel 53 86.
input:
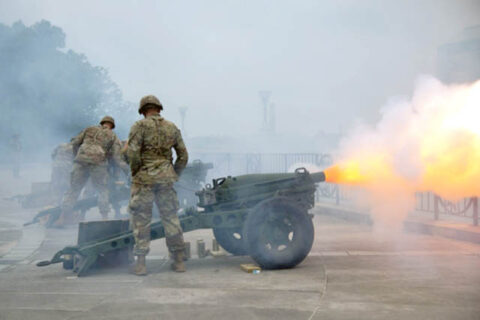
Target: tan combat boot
pixel 139 268
pixel 178 265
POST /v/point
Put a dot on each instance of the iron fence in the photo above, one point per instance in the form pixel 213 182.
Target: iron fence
pixel 230 164
pixel 430 202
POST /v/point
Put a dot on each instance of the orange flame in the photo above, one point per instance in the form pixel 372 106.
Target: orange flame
pixel 346 174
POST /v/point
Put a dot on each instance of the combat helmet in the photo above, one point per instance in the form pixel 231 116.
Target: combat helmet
pixel 150 99
pixel 108 119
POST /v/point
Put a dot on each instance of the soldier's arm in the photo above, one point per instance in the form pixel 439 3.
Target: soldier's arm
pixel 116 156
pixel 77 141
pixel 124 152
pixel 135 141
pixel 182 154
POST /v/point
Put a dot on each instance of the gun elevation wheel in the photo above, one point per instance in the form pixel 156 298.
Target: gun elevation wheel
pixel 231 239
pixel 278 234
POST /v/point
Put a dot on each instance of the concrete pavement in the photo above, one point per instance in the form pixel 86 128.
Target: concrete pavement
pixel 351 273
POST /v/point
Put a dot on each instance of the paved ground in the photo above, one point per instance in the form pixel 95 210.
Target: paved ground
pixel 351 273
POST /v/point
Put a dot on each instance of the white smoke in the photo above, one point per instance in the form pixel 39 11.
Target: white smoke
pixel 430 142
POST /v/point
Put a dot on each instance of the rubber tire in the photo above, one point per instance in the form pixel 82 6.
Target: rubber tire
pixel 228 242
pixel 299 246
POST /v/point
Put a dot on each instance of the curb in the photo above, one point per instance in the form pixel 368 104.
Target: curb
pixel 442 231
pixel 459 232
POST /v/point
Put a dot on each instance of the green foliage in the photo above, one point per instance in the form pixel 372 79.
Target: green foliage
pixel 48 94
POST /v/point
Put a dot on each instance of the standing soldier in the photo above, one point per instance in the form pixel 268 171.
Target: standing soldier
pixel 92 148
pixel 149 151
pixel 16 152
pixel 62 162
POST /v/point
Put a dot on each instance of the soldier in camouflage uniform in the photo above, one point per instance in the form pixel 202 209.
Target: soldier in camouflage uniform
pixel 115 179
pixel 92 148
pixel 15 154
pixel 149 151
pixel 62 163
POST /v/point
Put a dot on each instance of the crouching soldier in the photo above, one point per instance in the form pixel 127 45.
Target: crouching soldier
pixel 92 148
pixel 149 151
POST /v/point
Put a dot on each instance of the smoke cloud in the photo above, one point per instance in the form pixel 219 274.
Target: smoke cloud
pixel 430 142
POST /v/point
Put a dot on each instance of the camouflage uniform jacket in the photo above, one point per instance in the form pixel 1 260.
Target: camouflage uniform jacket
pixel 149 151
pixel 96 145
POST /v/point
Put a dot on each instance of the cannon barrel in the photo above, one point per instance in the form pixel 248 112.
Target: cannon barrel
pixel 318 176
pixel 248 190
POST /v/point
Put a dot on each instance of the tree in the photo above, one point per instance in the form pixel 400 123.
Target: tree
pixel 48 94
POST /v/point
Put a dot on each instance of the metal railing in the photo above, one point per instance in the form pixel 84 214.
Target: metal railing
pixel 430 202
pixel 333 193
pixel 232 164
pixel 425 202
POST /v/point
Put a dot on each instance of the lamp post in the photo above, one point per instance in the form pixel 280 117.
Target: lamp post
pixel 265 98
pixel 183 114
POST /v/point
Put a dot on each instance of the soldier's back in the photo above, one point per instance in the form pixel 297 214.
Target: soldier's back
pixel 97 142
pixel 159 136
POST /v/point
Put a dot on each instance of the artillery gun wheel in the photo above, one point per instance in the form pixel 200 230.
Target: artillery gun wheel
pixel 278 234
pixel 232 240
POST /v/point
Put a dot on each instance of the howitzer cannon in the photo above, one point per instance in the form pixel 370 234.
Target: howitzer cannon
pixel 190 181
pixel 262 215
pixel 119 193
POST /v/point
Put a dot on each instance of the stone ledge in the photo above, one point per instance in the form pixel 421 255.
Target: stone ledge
pixel 456 231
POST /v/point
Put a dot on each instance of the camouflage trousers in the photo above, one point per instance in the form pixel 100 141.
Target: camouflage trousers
pixel 140 209
pixel 78 179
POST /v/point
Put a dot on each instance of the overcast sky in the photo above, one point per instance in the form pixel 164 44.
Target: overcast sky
pixel 327 63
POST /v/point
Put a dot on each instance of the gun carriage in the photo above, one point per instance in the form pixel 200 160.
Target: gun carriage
pixel 261 215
